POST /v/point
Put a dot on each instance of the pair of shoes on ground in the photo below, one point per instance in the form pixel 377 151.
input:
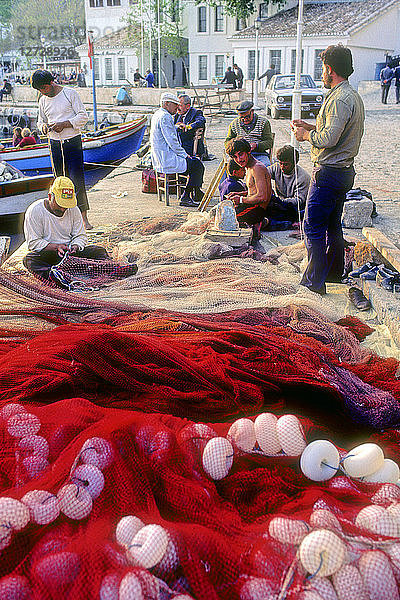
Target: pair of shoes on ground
pixel 389 282
pixel 369 266
pixel 358 299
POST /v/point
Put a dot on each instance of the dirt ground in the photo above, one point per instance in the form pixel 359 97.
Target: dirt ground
pixel 376 166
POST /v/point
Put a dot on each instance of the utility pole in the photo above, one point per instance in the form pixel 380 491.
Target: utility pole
pixel 296 101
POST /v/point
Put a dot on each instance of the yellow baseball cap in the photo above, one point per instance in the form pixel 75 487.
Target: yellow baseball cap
pixel 64 192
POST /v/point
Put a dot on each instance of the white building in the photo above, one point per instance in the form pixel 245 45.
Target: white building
pixel 211 35
pixel 119 50
pixel 370 28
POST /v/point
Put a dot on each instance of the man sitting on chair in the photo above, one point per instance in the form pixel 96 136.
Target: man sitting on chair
pixel 250 204
pixel 167 154
pixel 188 120
pixel 54 226
pixel 253 128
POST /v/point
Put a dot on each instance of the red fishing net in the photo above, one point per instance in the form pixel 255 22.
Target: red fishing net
pixel 142 490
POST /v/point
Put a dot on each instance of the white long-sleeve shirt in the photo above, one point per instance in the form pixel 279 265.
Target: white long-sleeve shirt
pixel 167 154
pixel 41 227
pixel 65 106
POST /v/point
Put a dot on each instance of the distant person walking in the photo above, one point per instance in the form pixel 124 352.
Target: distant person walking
pixel 269 73
pixel 61 117
pixel 239 75
pixel 229 77
pixel 149 79
pixel 386 77
pixel 137 77
pixel 397 83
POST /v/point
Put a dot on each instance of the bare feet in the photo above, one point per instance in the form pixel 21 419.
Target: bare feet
pixel 86 221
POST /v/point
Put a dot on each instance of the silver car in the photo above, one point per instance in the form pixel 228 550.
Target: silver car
pixel 279 94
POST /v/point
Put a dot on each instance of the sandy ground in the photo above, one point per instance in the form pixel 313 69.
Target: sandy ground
pixel 376 166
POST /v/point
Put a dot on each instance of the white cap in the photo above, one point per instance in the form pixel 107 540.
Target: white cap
pixel 168 97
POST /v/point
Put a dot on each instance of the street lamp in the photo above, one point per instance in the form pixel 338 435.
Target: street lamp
pixel 257 23
pixel 43 42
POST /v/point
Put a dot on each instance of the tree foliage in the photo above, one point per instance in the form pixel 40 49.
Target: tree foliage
pixel 146 13
pixel 242 9
pixel 57 21
pixel 5 11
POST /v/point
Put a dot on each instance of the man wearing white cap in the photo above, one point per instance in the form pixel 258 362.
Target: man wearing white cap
pixel 54 226
pixel 167 154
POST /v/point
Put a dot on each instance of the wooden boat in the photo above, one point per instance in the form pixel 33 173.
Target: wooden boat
pixel 109 146
pixel 102 152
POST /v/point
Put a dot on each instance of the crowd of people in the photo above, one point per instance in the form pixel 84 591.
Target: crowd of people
pixel 265 192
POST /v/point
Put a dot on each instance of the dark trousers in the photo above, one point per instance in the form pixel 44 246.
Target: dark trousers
pixel 385 92
pixel 73 167
pixel 4 93
pixel 281 210
pixel 249 214
pixel 323 226
pixel 41 262
pixel 195 170
pixel 397 93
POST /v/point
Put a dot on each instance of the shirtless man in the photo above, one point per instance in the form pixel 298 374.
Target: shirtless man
pixel 250 204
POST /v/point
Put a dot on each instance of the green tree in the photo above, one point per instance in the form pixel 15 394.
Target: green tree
pixel 155 15
pixel 240 8
pixel 60 23
pixel 5 11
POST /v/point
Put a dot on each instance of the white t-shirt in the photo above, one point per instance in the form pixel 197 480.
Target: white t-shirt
pixel 41 227
pixel 65 106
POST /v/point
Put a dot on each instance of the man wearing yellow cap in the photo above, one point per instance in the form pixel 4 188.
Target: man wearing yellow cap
pixel 54 226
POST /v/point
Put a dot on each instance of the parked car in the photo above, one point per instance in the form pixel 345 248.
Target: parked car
pixel 279 94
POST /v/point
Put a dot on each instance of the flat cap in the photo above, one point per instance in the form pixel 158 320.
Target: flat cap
pixel 244 106
pixel 168 97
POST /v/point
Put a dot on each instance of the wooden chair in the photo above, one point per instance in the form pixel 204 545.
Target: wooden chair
pixel 170 183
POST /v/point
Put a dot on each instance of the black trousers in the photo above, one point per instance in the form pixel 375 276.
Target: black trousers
pixel 397 93
pixel 73 167
pixel 40 263
pixel 385 92
pixel 250 214
pixel 195 170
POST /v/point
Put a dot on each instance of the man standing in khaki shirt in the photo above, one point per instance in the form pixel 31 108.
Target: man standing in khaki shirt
pixel 335 141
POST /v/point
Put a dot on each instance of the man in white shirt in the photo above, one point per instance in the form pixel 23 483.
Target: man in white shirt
pixel 167 154
pixel 54 226
pixel 61 117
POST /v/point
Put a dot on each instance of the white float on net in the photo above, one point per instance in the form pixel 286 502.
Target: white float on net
pixel 290 435
pixel 90 478
pixel 377 575
pixel 388 473
pixel 242 434
pixel 130 588
pixel 348 583
pixel 266 434
pixel 363 460
pixel 34 444
pixel 127 528
pixel 75 502
pixel 12 409
pixel 288 531
pixel 14 513
pixel 23 424
pixel 320 460
pixel 322 553
pixel 218 458
pixel 44 506
pixel 98 452
pixel 148 547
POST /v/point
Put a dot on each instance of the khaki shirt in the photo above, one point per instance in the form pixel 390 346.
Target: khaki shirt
pixel 339 127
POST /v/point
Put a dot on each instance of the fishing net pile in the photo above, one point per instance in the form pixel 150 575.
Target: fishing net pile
pixel 157 434
pixel 122 477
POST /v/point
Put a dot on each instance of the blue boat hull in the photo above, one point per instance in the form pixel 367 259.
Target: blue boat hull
pixel 111 147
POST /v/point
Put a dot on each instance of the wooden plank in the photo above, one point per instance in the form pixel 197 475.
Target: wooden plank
pixel 385 246
pixel 4 247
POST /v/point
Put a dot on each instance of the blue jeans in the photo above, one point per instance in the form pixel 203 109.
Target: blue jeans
pixel 323 226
